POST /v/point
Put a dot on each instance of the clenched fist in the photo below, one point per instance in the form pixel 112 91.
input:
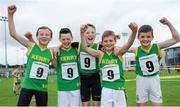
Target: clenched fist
pixel 12 9
pixel 133 26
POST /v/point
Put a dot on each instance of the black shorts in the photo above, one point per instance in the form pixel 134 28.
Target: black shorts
pixel 26 95
pixel 90 86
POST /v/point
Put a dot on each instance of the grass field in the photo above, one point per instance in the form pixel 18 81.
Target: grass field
pixel 170 85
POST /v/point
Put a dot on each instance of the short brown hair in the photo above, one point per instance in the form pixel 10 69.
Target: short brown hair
pixel 91 25
pixel 44 27
pixel 108 33
pixel 145 29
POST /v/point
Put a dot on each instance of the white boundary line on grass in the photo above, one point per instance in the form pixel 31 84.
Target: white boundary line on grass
pixel 163 78
pixel 171 80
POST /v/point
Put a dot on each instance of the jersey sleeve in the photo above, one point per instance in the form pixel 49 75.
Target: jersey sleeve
pixel 30 49
pixel 51 51
pixel 136 51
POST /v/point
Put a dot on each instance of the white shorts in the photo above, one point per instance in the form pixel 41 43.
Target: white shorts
pixel 69 98
pixel 111 97
pixel 148 88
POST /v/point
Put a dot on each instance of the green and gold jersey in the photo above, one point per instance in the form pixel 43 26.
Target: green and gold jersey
pixel 148 61
pixel 67 70
pixel 88 63
pixel 112 75
pixel 37 68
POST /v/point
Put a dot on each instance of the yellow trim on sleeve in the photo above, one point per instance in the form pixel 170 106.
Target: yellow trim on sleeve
pixel 100 59
pixel 51 51
pixel 79 47
pixel 97 47
pixel 30 49
pixel 136 52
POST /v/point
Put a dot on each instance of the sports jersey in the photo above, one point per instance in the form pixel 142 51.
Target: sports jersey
pixel 37 69
pixel 67 70
pixel 112 71
pixel 88 63
pixel 147 61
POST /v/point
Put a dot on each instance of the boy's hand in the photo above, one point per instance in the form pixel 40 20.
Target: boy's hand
pixel 83 28
pixel 164 21
pixel 28 35
pixel 116 50
pixel 11 9
pixel 133 26
pixel 56 52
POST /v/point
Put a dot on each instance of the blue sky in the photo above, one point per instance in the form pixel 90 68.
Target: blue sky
pixel 104 14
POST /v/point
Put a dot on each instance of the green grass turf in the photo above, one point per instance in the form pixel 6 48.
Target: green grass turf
pixel 170 89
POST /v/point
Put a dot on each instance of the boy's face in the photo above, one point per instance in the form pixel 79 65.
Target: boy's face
pixel 145 38
pixel 90 34
pixel 66 40
pixel 44 36
pixel 108 43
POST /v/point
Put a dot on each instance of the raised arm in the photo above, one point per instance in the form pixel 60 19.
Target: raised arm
pixel 93 52
pixel 133 26
pixel 12 30
pixel 175 35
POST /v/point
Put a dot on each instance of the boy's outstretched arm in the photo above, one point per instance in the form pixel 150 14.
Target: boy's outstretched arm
pixel 133 26
pixel 175 35
pixel 11 10
pixel 90 51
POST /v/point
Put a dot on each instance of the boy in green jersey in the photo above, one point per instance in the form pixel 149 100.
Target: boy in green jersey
pixel 67 71
pixel 89 70
pixel 66 64
pixel 88 67
pixel 112 77
pixel 39 59
pixel 147 64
